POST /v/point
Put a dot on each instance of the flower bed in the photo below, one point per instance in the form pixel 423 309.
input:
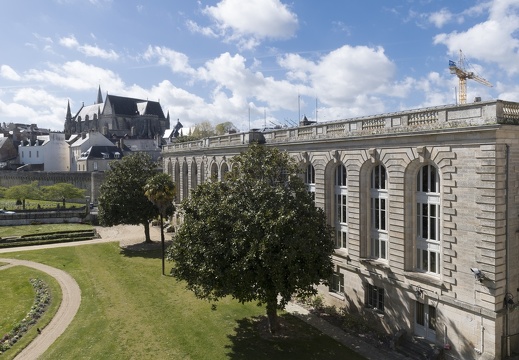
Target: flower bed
pixel 41 304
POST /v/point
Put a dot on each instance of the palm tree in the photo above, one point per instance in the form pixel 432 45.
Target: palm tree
pixel 160 190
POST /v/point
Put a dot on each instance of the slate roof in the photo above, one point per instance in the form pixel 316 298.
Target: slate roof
pixel 102 152
pixel 130 106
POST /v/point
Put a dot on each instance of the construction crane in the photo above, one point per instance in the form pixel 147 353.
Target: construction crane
pixel 462 74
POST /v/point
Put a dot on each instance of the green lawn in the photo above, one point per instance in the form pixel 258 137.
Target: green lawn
pixel 40 229
pixel 10 204
pixel 130 311
pixel 17 297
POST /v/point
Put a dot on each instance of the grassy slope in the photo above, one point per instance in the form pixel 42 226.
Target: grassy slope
pixel 130 311
pixel 17 297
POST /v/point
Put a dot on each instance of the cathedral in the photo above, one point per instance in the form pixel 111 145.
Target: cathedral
pixel 118 117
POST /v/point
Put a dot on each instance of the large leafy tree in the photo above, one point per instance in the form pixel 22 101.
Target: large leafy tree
pixel 160 190
pixel 61 191
pixel 24 191
pixel 256 236
pixel 121 196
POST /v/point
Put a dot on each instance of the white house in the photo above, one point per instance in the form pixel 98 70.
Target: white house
pixel 51 152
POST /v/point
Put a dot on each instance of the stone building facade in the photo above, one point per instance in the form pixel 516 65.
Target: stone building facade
pixel 424 204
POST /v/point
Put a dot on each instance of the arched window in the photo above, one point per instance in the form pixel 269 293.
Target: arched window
pixel 379 216
pixel 194 175
pixel 428 242
pixel 224 170
pixel 310 180
pixel 341 205
pixel 176 179
pixel 202 172
pixel 185 184
pixel 214 172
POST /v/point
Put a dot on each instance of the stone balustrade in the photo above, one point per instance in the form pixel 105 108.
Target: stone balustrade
pixel 450 116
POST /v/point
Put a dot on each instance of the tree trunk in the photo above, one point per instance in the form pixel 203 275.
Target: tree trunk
pixel 162 242
pixel 272 314
pixel 147 232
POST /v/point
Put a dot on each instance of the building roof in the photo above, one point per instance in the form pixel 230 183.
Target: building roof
pixel 129 106
pixel 102 152
pixel 89 111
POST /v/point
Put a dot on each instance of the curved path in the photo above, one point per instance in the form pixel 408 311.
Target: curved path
pixel 66 312
pixel 125 234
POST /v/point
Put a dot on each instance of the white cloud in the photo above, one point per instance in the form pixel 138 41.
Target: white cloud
pixel 88 50
pixel 249 22
pixel 440 18
pixel 493 41
pixel 177 62
pixel 195 28
pixel 9 73
pixel 341 75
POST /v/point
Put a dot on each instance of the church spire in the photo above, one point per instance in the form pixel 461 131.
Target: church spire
pixel 69 114
pixel 99 96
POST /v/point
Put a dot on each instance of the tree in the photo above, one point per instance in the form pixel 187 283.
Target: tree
pixel 224 128
pixel 121 195
pixel 160 190
pixel 23 192
pixel 61 191
pixel 255 236
pixel 203 130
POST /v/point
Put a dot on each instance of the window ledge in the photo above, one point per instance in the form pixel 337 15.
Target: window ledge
pixel 336 295
pixel 424 278
pixel 375 262
pixel 375 311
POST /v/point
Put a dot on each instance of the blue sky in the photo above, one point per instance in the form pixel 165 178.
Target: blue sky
pixel 252 62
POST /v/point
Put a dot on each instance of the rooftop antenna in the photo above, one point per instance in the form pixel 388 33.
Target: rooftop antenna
pixel 316 109
pixel 299 107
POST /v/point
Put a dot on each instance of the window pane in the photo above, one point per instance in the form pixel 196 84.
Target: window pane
pixel 382 177
pixel 344 208
pixel 425 257
pixel 434 262
pixel 433 175
pixel 420 314
pixel 425 178
pixel 382 214
pixel 380 304
pixel 432 317
pixel 383 245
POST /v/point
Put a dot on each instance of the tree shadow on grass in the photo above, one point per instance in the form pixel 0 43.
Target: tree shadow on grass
pixel 295 340
pixel 143 250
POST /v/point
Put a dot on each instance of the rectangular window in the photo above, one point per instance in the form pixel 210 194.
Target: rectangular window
pixel 29 153
pixel 342 208
pixel 428 223
pixel 378 216
pixel 341 241
pixel 428 260
pixel 337 283
pixel 375 297
pixel 37 154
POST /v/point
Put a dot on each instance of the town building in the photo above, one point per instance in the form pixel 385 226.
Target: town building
pixel 118 117
pixel 45 153
pixel 424 205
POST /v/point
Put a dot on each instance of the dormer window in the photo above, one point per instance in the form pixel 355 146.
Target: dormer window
pixel 117 155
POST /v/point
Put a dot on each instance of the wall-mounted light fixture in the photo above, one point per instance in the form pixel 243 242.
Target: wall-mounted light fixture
pixel 478 274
